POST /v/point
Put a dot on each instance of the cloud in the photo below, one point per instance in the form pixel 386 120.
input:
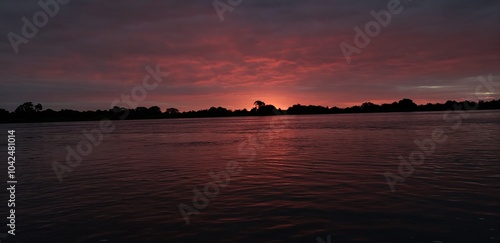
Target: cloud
pixel 287 51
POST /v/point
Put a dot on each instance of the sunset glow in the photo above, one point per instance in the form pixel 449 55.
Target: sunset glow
pixel 282 53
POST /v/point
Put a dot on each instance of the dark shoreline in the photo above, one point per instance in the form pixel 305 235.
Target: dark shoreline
pixel 27 113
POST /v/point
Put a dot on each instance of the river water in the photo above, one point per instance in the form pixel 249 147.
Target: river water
pixel 274 179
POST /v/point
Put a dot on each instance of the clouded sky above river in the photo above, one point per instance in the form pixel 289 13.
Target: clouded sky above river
pixel 281 52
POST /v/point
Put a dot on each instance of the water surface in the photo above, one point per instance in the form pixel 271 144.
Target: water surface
pixel 301 177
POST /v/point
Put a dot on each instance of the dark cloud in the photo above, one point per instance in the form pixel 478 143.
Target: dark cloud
pixel 285 51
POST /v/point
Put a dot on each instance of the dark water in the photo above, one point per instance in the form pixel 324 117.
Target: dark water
pixel 299 178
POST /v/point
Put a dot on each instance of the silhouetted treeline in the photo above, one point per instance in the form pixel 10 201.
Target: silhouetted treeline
pixel 404 105
pixel 28 112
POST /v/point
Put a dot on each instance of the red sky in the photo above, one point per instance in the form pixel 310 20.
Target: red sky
pixel 281 52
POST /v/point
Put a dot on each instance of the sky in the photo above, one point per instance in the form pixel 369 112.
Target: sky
pixel 90 53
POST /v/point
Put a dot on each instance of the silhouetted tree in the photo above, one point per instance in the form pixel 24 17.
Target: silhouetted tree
pixel 258 104
pixel 369 107
pixel 407 105
pixel 219 111
pixel 268 110
pixel 154 110
pixel 38 107
pixel 262 109
pixel 25 108
pixel 172 111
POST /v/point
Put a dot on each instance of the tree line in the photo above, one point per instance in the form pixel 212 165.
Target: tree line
pixel 28 112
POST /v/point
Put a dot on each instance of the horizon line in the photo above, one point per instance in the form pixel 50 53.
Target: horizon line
pixel 280 108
